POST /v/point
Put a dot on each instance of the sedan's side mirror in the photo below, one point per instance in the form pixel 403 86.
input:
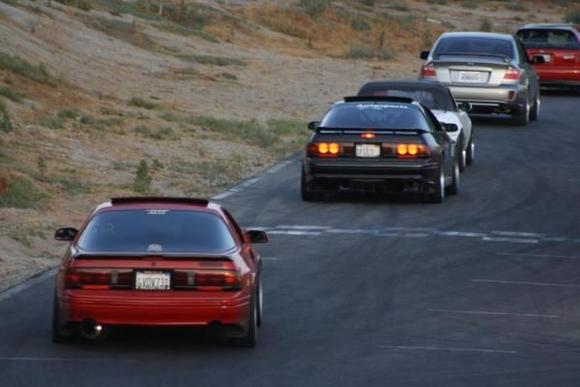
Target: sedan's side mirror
pixel 256 236
pixel 465 106
pixel 66 234
pixel 450 127
pixel 424 55
pixel 538 59
pixel 312 125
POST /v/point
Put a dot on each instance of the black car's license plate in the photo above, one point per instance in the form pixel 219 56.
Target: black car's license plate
pixel 368 150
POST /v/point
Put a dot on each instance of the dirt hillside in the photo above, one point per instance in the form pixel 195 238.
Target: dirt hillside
pixel 110 97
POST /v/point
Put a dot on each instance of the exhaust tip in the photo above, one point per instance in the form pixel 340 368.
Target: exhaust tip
pixel 91 330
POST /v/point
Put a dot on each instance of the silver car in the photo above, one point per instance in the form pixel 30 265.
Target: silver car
pixel 491 72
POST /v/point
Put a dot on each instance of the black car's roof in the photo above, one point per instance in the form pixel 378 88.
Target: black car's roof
pixel 440 92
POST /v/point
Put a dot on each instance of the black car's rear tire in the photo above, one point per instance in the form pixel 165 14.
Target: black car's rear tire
pixel 535 111
pixel 308 195
pixel 470 156
pixel 61 333
pixel 453 189
pixel 437 194
pixel 522 117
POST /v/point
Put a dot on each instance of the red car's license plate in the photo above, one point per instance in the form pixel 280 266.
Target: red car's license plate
pixel 152 280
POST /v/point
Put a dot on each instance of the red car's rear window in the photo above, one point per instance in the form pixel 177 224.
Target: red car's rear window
pixel 156 231
pixel 549 38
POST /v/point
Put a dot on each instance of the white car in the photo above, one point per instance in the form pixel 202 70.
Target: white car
pixel 439 100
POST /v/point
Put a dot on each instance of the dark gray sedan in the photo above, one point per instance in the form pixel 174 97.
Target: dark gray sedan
pixel 490 71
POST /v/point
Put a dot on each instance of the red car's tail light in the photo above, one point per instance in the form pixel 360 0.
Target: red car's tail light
pixel 98 278
pixel 411 151
pixel 207 280
pixel 512 74
pixel 323 149
pixel 428 71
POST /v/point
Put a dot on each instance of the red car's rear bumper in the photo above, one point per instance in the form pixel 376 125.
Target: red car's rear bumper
pixel 560 75
pixel 155 308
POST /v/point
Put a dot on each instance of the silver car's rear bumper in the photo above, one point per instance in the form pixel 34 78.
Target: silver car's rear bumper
pixel 504 96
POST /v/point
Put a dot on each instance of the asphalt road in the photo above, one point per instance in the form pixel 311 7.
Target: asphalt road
pixel 483 290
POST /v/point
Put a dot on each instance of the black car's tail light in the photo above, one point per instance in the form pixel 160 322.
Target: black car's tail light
pixel 207 280
pixel 411 151
pixel 324 149
pixel 89 278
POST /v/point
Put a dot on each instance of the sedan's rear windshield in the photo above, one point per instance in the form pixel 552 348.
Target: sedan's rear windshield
pixel 464 45
pixel 156 231
pixel 373 115
pixel 545 38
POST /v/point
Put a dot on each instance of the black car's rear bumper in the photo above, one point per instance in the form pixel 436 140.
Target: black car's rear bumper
pixel 392 174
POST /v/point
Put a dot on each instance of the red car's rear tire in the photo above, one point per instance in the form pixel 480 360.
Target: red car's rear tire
pixel 61 333
pixel 250 338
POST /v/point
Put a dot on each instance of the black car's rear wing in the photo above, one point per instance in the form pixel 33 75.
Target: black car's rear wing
pixel 397 132
pixel 377 98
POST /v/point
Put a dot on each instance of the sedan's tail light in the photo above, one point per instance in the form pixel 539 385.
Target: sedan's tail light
pixel 81 278
pixel 428 71
pixel 207 280
pixel 512 74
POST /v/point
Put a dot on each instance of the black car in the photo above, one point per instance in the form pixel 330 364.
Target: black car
pixel 380 144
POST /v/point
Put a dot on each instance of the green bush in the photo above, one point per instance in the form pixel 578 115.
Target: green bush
pixel 142 181
pixel 22 193
pixel 20 66
pixel 573 16
pixel 214 60
pixel 142 103
pixel 5 123
pixel 314 7
pixel 12 95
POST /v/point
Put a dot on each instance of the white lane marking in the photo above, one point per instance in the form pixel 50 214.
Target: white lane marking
pixel 547 284
pixel 461 234
pixel 249 182
pixel 417 229
pixel 518 234
pixel 283 232
pixel 278 167
pixel 223 195
pixel 351 231
pixel 416 235
pixel 511 240
pixel 65 359
pixel 446 349
pixel 301 227
pixel 11 292
pixel 490 313
pixel 537 255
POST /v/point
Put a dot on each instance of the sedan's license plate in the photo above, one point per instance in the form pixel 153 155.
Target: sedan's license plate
pixel 368 150
pixel 152 280
pixel 470 76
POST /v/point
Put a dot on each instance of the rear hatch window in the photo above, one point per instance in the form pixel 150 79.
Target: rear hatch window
pixel 156 231
pixel 372 115
pixel 546 38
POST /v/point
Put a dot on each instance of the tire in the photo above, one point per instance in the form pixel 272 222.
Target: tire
pixel 470 156
pixel 260 304
pixel 522 117
pixel 438 196
pixel 250 338
pixel 535 112
pixel 453 189
pixel 60 333
pixel 462 154
pixel 307 194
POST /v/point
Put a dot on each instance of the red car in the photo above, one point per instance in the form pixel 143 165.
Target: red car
pixel 559 45
pixel 159 262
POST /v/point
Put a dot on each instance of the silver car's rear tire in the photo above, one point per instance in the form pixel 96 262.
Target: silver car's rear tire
pixel 522 117
pixel 470 152
pixel 535 112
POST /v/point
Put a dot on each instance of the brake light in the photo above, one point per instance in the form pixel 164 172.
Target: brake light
pixel 98 278
pixel 368 136
pixel 428 71
pixel 207 280
pixel 411 151
pixel 324 149
pixel 512 74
